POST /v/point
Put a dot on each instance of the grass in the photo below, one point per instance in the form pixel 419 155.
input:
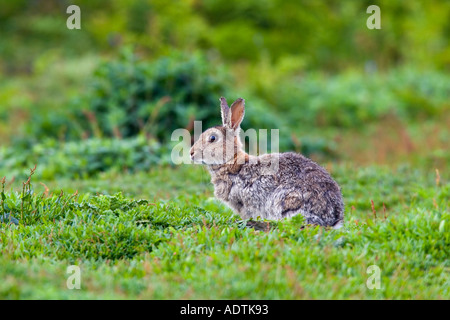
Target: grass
pixel 179 242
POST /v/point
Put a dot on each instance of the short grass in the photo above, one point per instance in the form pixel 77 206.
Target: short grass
pixel 178 242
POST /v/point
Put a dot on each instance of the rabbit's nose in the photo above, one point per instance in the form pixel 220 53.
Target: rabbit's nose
pixel 192 153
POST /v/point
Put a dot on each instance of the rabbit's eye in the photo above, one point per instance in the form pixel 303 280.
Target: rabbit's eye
pixel 212 138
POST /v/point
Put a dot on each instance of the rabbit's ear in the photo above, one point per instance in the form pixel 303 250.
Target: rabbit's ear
pixel 225 111
pixel 237 113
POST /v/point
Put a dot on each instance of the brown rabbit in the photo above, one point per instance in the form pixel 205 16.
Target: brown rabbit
pixel 252 187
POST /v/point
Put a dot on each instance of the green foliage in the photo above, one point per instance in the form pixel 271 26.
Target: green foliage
pixel 316 35
pixel 129 97
pixel 129 248
pixel 82 159
pixel 353 99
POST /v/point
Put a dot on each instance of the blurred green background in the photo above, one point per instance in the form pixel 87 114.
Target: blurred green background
pixel 108 96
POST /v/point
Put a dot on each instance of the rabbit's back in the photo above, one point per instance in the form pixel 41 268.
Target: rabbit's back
pixel 280 185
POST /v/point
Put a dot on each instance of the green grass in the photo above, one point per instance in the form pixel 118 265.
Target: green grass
pixel 179 242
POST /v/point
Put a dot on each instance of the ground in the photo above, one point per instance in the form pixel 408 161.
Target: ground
pixel 181 243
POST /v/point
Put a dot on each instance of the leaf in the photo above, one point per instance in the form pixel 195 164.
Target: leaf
pixel 442 226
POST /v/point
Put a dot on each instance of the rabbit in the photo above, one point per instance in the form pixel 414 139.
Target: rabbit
pixel 251 189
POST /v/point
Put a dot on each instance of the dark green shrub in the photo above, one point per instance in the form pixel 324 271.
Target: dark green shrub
pixel 130 96
pixel 81 159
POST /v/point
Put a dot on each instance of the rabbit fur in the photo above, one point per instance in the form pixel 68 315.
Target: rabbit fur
pixel 271 186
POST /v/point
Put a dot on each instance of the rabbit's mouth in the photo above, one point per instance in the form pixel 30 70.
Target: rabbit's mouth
pixel 200 160
pixel 197 160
